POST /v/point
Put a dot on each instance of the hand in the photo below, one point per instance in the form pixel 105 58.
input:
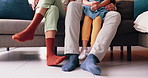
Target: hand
pixel 110 7
pixel 34 4
pixel 94 7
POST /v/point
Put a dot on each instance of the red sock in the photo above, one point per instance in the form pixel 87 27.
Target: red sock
pixel 28 33
pixel 52 59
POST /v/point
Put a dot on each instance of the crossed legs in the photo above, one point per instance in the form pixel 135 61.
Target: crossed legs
pixel 51 15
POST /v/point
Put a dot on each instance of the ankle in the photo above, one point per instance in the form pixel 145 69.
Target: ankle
pixel 84 48
pixel 74 57
pixel 93 57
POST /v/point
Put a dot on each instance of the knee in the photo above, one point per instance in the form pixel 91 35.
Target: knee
pixel 117 14
pixel 113 18
pixel 54 8
pixel 74 4
pixel 114 14
pixel 52 11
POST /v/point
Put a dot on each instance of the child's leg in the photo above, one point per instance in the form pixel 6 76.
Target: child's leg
pixel 96 28
pixel 28 33
pixel 86 29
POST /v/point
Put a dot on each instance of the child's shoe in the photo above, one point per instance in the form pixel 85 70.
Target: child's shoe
pixel 83 53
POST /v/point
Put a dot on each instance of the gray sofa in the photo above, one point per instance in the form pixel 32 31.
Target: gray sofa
pixel 126 34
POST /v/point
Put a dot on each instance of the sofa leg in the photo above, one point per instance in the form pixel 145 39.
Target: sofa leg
pixel 128 53
pixel 121 52
pixel 8 49
pixel 111 53
pixel 55 50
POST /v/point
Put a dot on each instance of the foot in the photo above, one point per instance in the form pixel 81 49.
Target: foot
pixel 90 65
pixel 23 36
pixel 83 54
pixel 54 60
pixel 72 63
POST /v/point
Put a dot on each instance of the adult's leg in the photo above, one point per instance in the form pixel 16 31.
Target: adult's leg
pixel 51 19
pixel 72 28
pixel 72 31
pixel 106 34
pixel 28 33
pixel 103 40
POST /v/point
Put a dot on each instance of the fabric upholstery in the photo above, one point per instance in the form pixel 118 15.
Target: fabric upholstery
pixel 126 9
pixel 12 26
pixel 15 9
pixel 143 39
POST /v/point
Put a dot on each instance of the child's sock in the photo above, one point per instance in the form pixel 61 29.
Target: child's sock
pixel 72 63
pixel 83 53
pixel 52 59
pixel 28 33
pixel 90 65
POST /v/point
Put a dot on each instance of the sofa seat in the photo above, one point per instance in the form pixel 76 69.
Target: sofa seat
pixel 8 27
pixel 143 39
pixel 12 26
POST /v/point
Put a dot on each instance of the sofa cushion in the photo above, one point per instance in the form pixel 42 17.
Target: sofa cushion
pixel 126 9
pixel 140 6
pixel 143 39
pixel 15 9
pixel 11 26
